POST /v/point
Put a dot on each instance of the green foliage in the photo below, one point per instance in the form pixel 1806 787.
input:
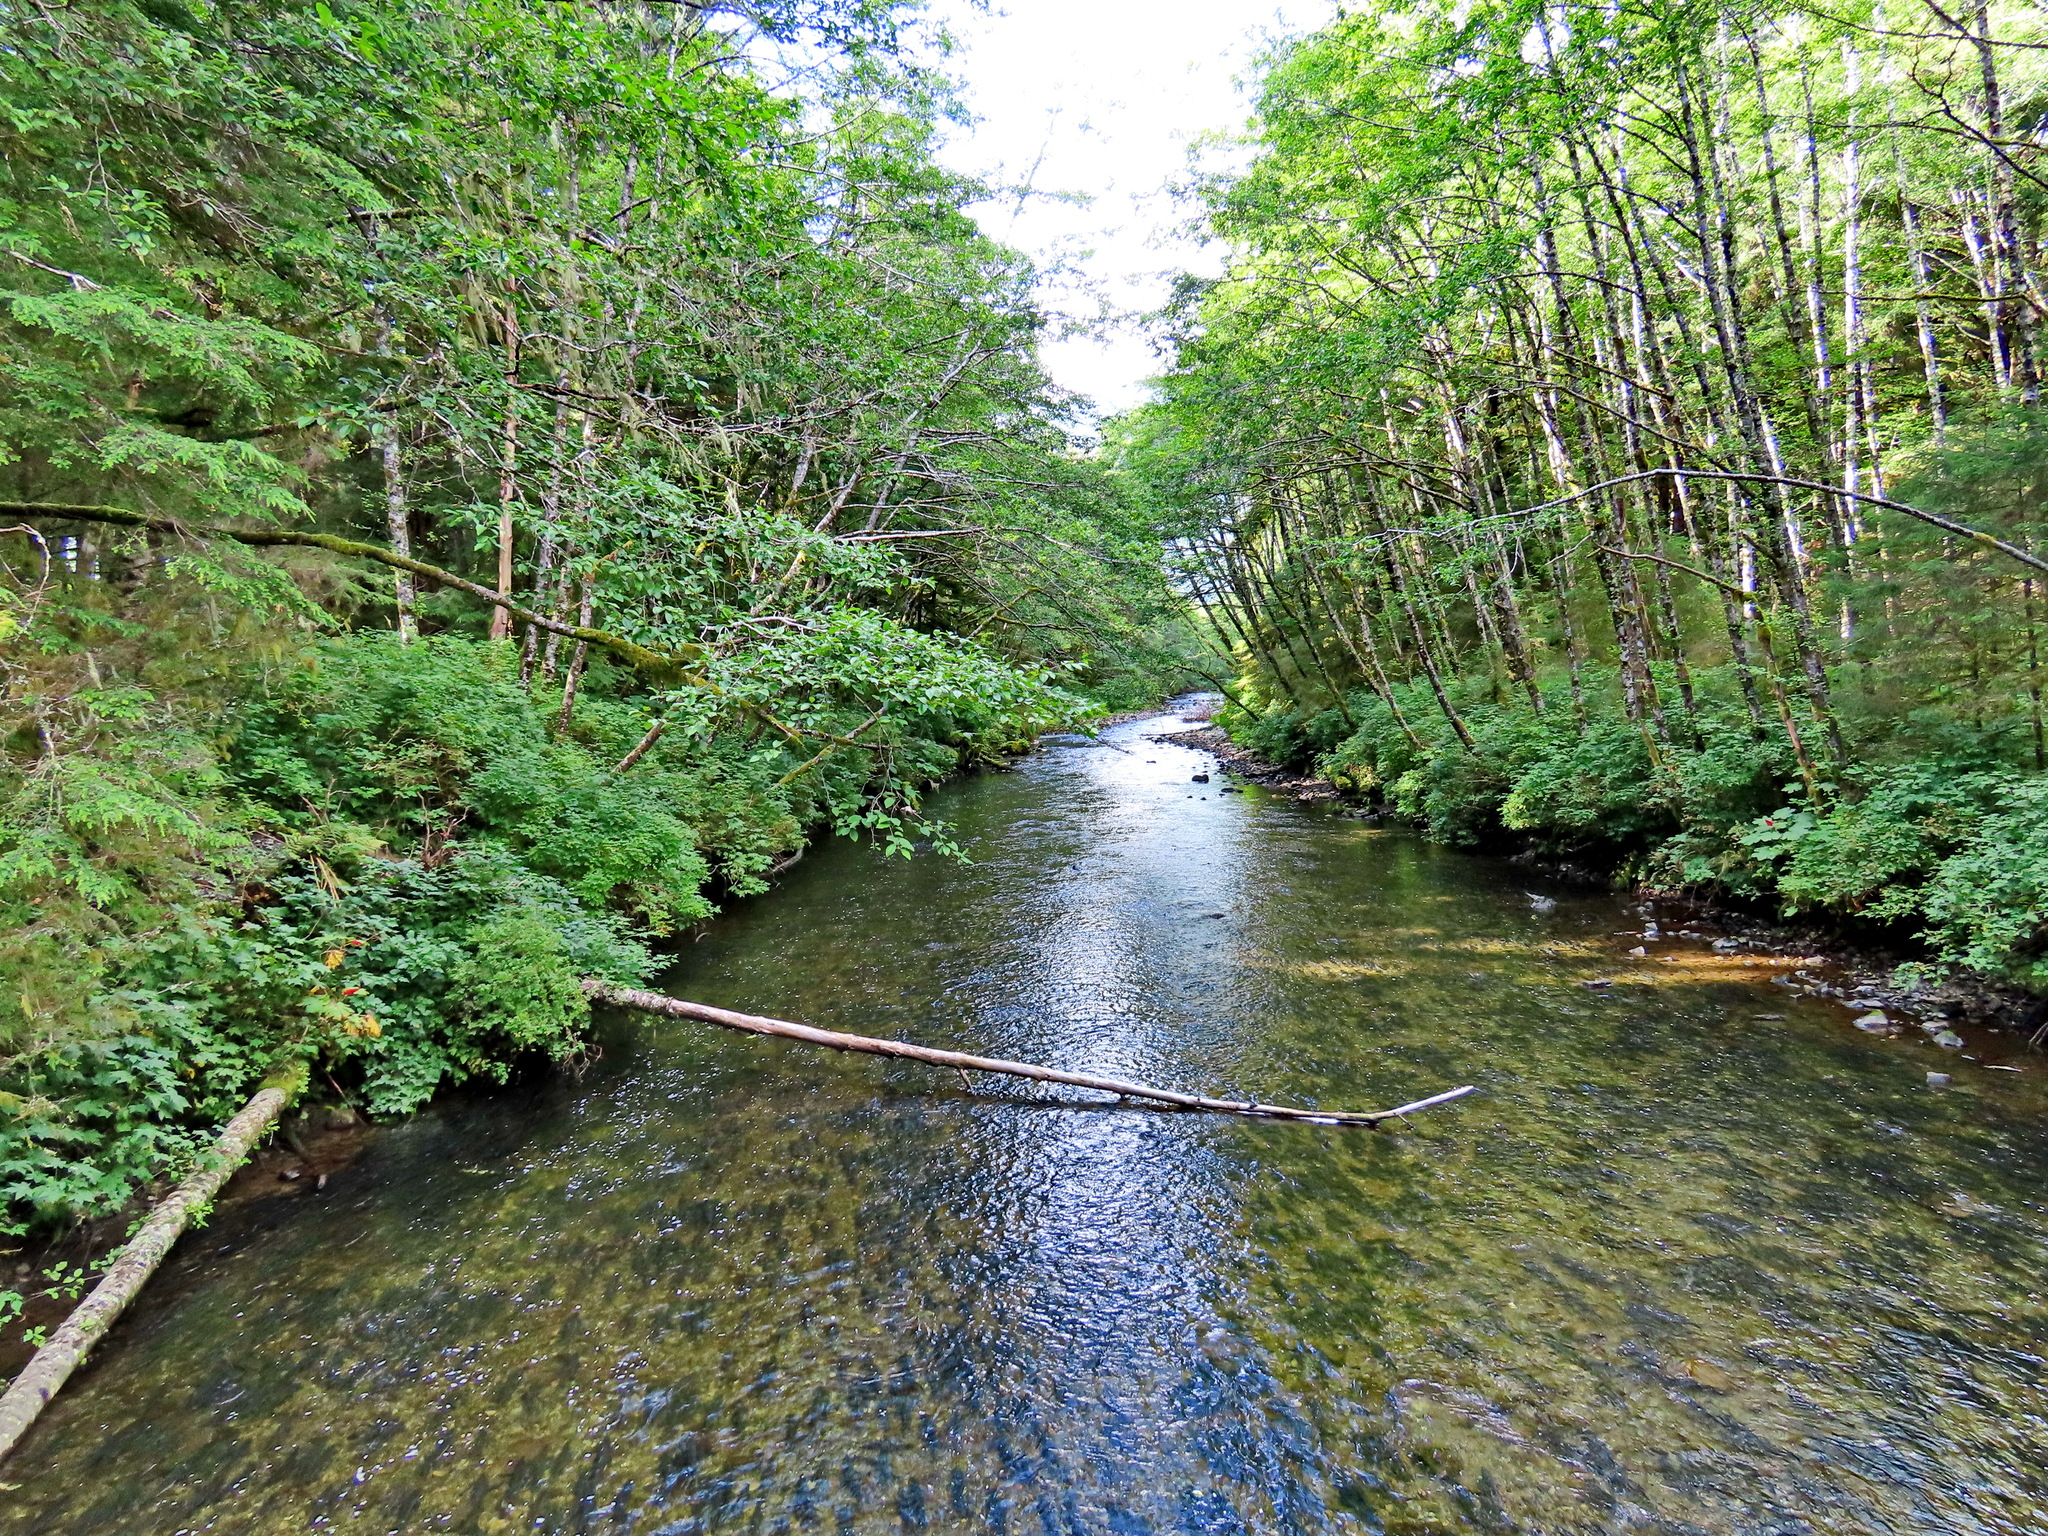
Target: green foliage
pixel 521 981
pixel 1949 851
pixel 386 864
pixel 370 742
pixel 402 980
pixel 1285 735
pixel 1959 855
pixel 753 391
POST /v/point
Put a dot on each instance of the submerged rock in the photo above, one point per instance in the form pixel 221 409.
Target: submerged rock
pixel 1709 1373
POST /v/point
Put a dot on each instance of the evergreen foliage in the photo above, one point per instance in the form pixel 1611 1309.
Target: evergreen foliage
pixel 714 379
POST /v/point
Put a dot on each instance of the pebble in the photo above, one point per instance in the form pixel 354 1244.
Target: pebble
pixel 1937 1079
pixel 1639 950
pixel 1709 1374
pixel 1949 1040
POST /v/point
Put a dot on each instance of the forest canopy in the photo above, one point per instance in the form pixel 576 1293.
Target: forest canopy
pixel 1618 433
pixel 482 485
pixel 483 482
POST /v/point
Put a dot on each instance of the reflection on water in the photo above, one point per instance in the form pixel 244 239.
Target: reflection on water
pixel 1678 1269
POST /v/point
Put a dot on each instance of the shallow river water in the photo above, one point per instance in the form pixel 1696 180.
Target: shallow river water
pixel 1674 1269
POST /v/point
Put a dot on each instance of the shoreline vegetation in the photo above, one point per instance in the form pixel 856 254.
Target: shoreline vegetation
pixel 1616 436
pixel 481 486
pixel 1864 971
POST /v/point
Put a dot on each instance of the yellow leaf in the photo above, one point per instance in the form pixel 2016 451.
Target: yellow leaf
pixel 333 958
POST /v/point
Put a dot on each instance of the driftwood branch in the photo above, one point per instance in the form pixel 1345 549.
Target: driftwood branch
pixel 52 1365
pixel 753 1024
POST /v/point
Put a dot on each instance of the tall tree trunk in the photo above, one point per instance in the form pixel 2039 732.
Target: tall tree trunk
pixel 508 467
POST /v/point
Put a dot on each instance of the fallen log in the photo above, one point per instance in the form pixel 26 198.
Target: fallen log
pixel 51 1366
pixel 959 1061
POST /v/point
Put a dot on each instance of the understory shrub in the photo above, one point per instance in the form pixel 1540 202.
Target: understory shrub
pixel 1947 847
pixel 382 859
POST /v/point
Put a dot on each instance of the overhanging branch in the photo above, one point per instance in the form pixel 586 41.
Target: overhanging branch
pixel 657 666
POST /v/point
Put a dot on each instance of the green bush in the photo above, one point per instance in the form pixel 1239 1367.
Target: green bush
pixel 383 860
pixel 1949 847
pixel 394 984
pixel 1958 853
pixel 1599 789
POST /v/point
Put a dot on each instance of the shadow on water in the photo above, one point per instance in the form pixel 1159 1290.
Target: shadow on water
pixel 1678 1269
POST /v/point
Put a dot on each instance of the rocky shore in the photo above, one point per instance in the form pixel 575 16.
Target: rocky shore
pixel 1978 1018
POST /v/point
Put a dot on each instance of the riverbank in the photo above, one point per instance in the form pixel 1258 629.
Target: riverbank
pixel 1835 963
pixel 50 1270
pixel 856 1294
pixel 309 1147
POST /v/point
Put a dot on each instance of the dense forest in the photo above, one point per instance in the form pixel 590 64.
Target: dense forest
pixel 484 485
pixel 484 482
pixel 1618 432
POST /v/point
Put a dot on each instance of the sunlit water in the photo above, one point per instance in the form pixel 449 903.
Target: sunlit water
pixel 1675 1268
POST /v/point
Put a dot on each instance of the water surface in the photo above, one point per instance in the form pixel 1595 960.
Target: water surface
pixel 1676 1269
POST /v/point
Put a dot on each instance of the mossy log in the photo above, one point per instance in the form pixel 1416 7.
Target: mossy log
pixel 137 1260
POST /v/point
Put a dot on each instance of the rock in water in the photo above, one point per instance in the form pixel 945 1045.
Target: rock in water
pixel 1949 1040
pixel 1201 778
pixel 1710 1374
pixel 1540 903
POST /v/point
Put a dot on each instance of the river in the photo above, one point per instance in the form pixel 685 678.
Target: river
pixel 1676 1268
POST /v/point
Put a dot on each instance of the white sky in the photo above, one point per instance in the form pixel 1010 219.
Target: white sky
pixel 1103 98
